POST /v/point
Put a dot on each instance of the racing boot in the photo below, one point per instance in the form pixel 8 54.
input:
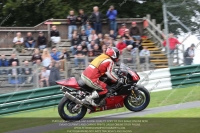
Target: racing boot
pixel 90 99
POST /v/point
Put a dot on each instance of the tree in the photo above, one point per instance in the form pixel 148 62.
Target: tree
pixel 32 12
pixel 187 11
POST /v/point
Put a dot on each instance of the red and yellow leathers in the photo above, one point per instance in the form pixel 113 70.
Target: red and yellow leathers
pixel 101 65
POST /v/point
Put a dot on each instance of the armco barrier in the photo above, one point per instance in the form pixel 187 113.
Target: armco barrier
pixel 30 104
pixel 29 94
pixel 154 80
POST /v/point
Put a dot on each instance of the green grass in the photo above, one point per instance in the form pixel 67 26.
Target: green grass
pixel 179 121
pixel 186 113
pixel 45 116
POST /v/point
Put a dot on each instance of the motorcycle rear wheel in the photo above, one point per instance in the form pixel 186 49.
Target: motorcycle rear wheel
pixel 141 103
pixel 67 104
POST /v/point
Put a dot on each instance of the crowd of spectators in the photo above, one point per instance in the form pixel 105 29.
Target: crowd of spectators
pixel 86 41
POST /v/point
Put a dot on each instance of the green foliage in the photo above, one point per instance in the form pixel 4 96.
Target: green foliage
pixel 184 10
pixel 32 12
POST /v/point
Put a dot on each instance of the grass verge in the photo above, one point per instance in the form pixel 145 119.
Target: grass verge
pixel 45 116
pixel 179 121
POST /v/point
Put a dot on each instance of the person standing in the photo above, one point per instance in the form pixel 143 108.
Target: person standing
pixel 82 17
pixel 112 14
pixel 97 19
pixel 189 55
pixel 172 43
pixel 71 19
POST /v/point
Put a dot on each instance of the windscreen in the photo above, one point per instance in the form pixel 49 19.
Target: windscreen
pixel 124 67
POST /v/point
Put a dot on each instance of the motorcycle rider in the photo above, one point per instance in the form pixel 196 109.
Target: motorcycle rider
pixel 103 64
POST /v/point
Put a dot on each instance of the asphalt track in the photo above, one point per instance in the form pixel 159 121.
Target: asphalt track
pixel 62 125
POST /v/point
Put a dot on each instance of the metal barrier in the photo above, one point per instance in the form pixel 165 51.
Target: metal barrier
pixel 156 34
pixel 137 63
pixel 153 80
pixel 19 80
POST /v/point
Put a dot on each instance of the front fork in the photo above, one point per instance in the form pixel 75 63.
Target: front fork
pixel 134 91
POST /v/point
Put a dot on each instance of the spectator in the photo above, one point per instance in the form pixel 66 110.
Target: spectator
pixel 84 46
pixel 41 41
pixel 127 38
pixel 55 35
pixel 26 70
pixel 110 43
pixel 97 19
pixel 135 53
pixel 112 14
pixel 104 47
pixel 143 54
pixel 3 63
pixel 91 46
pixel 79 56
pixel 137 44
pixel 122 30
pixel 96 51
pixel 46 58
pixel 92 36
pixel 71 19
pixel 83 36
pixel 126 54
pixel 12 59
pixel 189 55
pixel 121 45
pixel 36 56
pixel 90 54
pixel 44 77
pixel 82 17
pixel 172 43
pixel 19 42
pixel 54 74
pixel 55 55
pixel 63 57
pixel 134 31
pixel 29 41
pixel 38 65
pixel 112 34
pixel 13 73
pixel 75 32
pixel 74 43
pixel 106 39
pixel 88 30
pixel 99 40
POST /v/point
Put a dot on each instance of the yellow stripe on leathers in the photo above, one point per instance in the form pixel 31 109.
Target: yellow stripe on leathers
pixel 97 61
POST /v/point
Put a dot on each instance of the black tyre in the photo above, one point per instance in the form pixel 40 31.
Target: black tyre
pixel 65 112
pixel 139 103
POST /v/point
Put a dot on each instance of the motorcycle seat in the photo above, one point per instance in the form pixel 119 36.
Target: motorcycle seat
pixel 83 86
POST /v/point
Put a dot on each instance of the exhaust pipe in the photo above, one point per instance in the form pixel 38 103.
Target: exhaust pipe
pixel 72 98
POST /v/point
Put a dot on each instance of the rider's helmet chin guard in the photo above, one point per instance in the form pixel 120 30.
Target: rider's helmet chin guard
pixel 113 52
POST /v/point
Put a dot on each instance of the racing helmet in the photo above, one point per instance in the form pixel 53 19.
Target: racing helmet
pixel 113 52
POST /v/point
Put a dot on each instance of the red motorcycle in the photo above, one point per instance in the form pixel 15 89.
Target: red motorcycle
pixel 129 94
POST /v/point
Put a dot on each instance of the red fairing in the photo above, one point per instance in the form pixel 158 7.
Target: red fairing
pixel 134 75
pixel 71 82
pixel 111 103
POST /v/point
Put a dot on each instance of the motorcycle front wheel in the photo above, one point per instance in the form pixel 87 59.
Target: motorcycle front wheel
pixel 138 103
pixel 66 112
